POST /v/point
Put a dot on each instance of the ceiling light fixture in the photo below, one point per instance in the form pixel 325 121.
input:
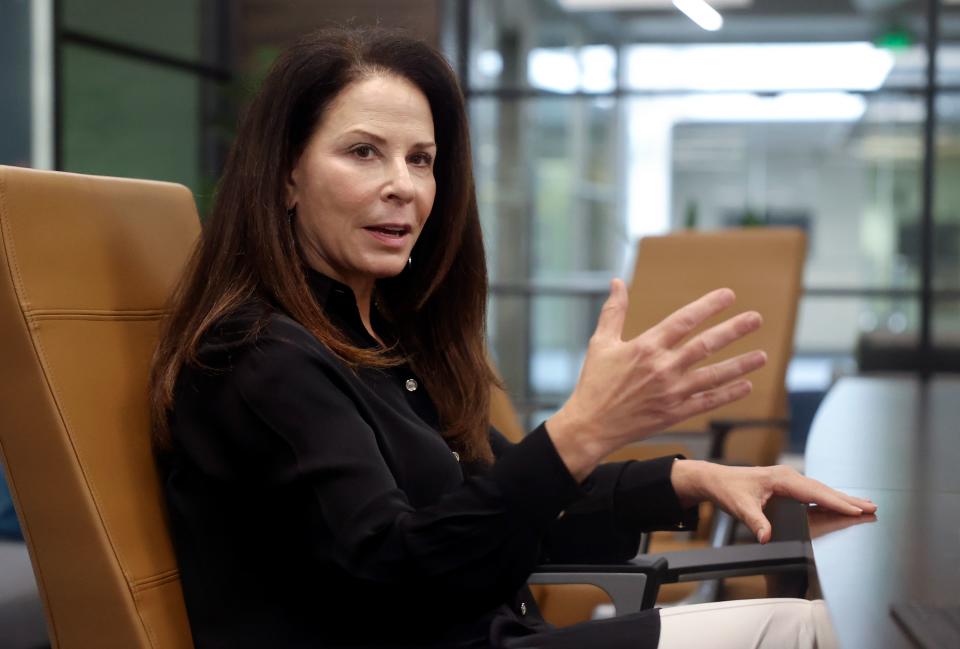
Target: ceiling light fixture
pixel 762 67
pixel 701 13
pixel 650 5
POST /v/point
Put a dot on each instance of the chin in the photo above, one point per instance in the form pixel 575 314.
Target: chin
pixel 389 269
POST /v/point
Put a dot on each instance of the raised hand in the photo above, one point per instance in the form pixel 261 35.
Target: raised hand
pixel 629 390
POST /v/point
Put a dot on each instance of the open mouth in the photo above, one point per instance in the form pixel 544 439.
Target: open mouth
pixel 394 231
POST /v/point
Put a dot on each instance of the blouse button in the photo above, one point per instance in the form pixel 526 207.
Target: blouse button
pixel 411 385
pixel 456 456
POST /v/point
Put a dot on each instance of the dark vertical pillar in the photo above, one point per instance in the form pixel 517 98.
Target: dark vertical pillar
pixel 513 226
pixel 463 44
pixel 216 50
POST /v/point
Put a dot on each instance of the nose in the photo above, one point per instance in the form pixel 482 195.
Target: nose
pixel 399 186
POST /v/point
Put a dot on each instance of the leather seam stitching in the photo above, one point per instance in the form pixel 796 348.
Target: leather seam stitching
pixel 49 371
pixel 148 583
pixel 36 316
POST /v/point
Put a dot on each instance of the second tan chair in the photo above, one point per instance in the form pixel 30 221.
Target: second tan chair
pixel 764 267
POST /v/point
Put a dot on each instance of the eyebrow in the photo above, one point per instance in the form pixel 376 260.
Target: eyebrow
pixel 379 140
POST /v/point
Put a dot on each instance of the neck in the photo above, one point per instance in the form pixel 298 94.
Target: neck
pixel 363 292
pixel 362 287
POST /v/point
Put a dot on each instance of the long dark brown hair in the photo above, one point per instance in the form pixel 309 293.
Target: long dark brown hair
pixel 248 251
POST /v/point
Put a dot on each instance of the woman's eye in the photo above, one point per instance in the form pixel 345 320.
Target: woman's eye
pixel 363 151
pixel 422 159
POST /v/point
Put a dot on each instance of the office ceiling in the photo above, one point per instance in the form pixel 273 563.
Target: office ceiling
pixel 759 21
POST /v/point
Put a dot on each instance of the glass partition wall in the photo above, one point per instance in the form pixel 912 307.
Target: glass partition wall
pixel 143 89
pixel 16 121
pixel 593 128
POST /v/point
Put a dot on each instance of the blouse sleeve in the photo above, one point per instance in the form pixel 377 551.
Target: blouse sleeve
pixel 291 408
pixel 619 502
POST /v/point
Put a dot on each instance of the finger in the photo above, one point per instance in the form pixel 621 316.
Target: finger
pixel 809 490
pixel 681 323
pixel 719 374
pixel 710 399
pixel 867 506
pixel 614 312
pixel 716 338
pixel 834 502
pixel 758 523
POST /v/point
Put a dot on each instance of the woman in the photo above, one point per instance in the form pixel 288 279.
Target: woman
pixel 321 389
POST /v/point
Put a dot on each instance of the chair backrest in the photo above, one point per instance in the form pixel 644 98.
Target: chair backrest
pixel 764 266
pixel 86 267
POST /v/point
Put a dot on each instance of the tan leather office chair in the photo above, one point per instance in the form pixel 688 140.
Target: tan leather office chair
pixel 764 266
pixel 86 265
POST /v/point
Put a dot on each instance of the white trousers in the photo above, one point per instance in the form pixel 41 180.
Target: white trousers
pixel 748 624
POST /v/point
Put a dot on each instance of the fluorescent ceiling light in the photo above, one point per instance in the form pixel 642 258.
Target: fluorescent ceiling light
pixel 701 13
pixel 641 5
pixel 759 67
pixel 591 68
pixel 786 107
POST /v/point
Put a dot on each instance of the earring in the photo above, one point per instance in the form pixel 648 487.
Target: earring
pixel 409 261
pixel 291 212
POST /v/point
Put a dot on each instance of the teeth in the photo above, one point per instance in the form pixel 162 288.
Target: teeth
pixel 395 232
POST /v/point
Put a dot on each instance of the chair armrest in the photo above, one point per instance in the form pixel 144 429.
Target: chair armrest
pixel 788 564
pixel 632 586
pixel 735 560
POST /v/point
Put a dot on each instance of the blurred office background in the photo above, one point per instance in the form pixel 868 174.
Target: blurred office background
pixel 595 122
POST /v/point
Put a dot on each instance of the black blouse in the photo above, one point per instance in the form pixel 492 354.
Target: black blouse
pixel 315 506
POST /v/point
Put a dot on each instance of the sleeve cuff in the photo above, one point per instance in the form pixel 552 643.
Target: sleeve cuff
pixel 534 478
pixel 645 498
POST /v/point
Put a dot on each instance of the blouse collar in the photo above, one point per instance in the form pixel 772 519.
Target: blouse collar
pixel 339 303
